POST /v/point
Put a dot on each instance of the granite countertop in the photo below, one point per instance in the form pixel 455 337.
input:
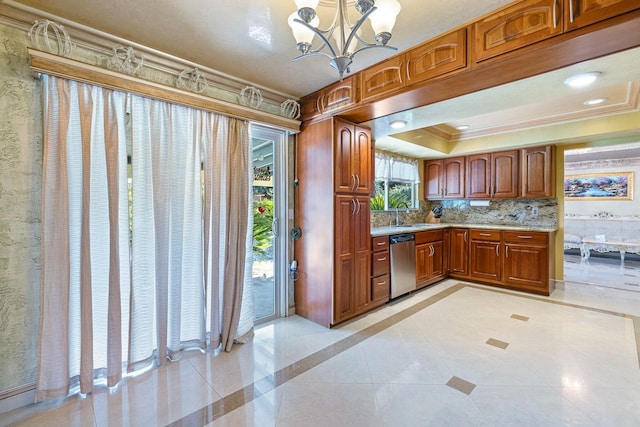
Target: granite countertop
pixel 412 228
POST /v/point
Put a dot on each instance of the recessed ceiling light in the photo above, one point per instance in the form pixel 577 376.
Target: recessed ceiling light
pixel 463 127
pixel 582 80
pixel 398 124
pixel 595 101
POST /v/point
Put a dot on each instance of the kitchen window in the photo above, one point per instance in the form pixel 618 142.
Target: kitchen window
pixel 396 183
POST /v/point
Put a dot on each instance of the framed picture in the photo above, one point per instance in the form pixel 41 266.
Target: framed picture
pixel 599 186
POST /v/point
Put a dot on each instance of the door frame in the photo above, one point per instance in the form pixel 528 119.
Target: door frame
pixel 281 197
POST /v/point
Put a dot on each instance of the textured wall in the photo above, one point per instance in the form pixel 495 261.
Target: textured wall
pixel 20 184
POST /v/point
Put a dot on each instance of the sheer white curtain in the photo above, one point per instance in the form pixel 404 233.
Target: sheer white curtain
pixel 394 168
pixel 112 297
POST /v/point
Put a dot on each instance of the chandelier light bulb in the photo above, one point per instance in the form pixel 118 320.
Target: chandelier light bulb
pixel 384 18
pixel 301 33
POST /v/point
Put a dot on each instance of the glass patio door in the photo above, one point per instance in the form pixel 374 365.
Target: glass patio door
pixel 269 223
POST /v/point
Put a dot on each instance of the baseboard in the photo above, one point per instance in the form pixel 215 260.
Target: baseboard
pixel 17 397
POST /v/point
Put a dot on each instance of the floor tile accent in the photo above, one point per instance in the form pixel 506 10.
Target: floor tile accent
pixel 497 343
pixel 235 400
pixel 518 317
pixel 461 385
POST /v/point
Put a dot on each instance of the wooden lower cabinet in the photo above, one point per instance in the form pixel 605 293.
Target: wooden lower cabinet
pixel 429 257
pixel 458 252
pixel 526 261
pixel 520 260
pixel 352 292
pixel 485 255
pixel 380 268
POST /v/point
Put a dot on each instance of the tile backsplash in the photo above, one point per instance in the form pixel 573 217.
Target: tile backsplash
pixel 500 211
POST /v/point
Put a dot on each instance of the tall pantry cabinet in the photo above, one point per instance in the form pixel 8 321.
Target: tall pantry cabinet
pixel 334 166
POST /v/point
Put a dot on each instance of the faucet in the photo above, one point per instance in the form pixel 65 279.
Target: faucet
pixel 398 211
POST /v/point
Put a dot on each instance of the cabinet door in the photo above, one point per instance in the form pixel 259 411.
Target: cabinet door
pixel 486 261
pixel 422 263
pixel 459 252
pixel 338 96
pixel 513 27
pixel 537 172
pixel 352 291
pixel 344 135
pixel 579 13
pixel 362 161
pixel 479 176
pixel 436 57
pixel 343 292
pixel 526 261
pixel 436 258
pixel 525 266
pixel 453 177
pixel 433 186
pixel 361 227
pixel 504 172
pixel 382 78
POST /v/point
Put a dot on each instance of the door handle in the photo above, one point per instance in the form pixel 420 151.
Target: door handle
pixel 274 227
pixel 465 236
pixel 353 180
pixel 555 13
pixel 571 11
pixel 497 250
pixel 506 251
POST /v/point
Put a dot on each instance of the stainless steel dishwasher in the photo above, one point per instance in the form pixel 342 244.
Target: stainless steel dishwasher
pixel 403 263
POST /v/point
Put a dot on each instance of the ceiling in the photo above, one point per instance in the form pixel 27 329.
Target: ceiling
pixel 253 42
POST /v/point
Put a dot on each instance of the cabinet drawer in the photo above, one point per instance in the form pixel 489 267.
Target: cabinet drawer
pixel 525 237
pixel 380 287
pixel 380 243
pixel 428 236
pixel 492 235
pixel 380 263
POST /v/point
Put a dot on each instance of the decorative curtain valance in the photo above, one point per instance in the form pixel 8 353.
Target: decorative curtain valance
pixel 47 63
pixel 394 168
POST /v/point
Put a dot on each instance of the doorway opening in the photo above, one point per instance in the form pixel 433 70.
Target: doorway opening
pixel 269 275
pixel 602 229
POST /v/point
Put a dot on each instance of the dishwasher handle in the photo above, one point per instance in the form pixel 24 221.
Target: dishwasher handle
pixel 400 238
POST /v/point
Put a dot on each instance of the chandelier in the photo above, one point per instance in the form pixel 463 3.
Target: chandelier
pixel 342 40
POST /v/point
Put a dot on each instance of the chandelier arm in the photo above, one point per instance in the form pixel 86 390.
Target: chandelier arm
pixel 312 53
pixel 371 46
pixel 355 29
pixel 319 34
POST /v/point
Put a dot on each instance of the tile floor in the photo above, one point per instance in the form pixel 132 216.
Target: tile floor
pixel 455 354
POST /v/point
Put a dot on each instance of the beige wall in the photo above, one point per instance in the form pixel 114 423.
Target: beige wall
pixel 20 183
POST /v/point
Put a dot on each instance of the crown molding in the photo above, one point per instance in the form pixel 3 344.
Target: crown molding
pixel 100 44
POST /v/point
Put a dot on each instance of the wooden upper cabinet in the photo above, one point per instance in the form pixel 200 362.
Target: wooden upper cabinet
pixel 505 170
pixel 444 178
pixel 330 99
pixel 353 158
pixel 515 26
pixel 362 162
pixel 579 13
pixel 537 172
pixel 479 176
pixel 493 175
pixel 437 57
pixel 382 78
